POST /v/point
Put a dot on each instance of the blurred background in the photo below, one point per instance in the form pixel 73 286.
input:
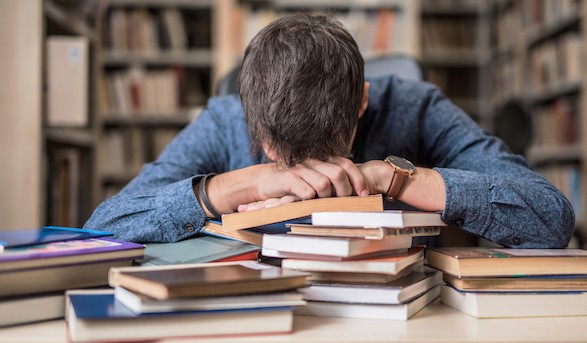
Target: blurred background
pixel 91 90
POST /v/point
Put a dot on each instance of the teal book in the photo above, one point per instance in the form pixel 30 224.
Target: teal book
pixel 46 234
pixel 200 249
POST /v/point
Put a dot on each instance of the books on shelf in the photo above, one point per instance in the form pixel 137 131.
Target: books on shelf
pixel 333 248
pixel 384 219
pixel 468 262
pixel 31 309
pixel 361 231
pixel 299 209
pixel 395 292
pixel 67 81
pixel 391 264
pixel 202 280
pixel 394 312
pixel 199 249
pixel 527 304
pixel 96 316
pixel 140 303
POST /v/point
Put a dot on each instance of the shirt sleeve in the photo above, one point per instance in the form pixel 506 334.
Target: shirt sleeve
pixel 159 205
pixel 490 191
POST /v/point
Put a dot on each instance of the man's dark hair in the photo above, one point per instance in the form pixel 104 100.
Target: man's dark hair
pixel 301 85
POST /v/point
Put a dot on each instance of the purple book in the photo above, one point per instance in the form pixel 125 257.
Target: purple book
pixel 68 253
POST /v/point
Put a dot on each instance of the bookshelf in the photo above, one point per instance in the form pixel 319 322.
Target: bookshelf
pixel 155 69
pixel 542 68
pixel 455 45
pixel 379 27
pixel 48 134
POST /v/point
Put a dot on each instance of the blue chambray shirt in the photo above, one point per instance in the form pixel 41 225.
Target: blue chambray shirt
pixel 490 192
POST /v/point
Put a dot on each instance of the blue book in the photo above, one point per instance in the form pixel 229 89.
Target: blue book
pixel 95 315
pixel 46 234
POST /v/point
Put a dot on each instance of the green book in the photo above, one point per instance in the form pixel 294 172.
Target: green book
pixel 200 249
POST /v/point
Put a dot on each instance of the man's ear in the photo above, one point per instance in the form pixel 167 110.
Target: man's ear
pixel 270 153
pixel 365 100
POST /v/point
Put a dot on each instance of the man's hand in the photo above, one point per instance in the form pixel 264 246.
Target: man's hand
pixel 311 179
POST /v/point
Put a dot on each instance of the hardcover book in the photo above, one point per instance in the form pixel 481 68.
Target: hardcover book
pixel 395 292
pixel 95 316
pixel 294 246
pixel 68 253
pixel 542 283
pixel 467 262
pixel 210 279
pixel 361 231
pixel 395 312
pixel 391 264
pixel 31 308
pixel 140 303
pixel 387 219
pixel 505 304
pixel 46 234
pixel 199 249
pixel 299 209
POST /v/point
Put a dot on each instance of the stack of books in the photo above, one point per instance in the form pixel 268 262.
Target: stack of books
pixel 38 265
pixel 188 300
pixel 495 283
pixel 362 264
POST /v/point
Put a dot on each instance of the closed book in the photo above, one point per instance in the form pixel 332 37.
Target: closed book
pixel 361 231
pixel 141 303
pixel 210 279
pixel 388 218
pixel 68 253
pixel 299 209
pixel 330 246
pixel 95 316
pixel 506 304
pixel 200 249
pixel 392 264
pixel 370 311
pixel 520 283
pixel 58 278
pixel 67 81
pixel 31 308
pixel 47 234
pixel 395 292
pixel 467 262
pixel 364 277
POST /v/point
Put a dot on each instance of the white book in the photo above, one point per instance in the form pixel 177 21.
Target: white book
pixel 67 80
pixel 504 304
pixel 331 246
pixel 388 264
pixel 140 303
pixel 388 218
pixel 395 292
pixel 369 311
pixel 30 309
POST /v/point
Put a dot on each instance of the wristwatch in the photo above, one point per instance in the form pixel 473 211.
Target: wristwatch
pixel 403 169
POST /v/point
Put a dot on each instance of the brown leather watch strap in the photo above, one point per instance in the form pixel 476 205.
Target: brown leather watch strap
pixel 397 183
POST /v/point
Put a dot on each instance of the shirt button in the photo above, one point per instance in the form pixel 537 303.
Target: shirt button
pixel 516 240
pixel 459 222
pixel 189 227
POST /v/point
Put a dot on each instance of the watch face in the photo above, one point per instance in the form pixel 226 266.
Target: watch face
pixel 401 163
